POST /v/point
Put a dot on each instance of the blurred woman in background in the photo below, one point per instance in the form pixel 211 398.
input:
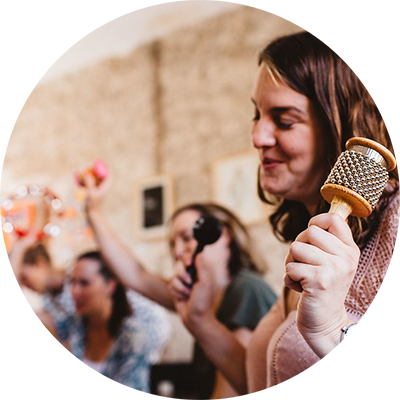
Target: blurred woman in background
pixel 241 295
pixel 119 334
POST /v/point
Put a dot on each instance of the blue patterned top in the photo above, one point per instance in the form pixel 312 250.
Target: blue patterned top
pixel 138 345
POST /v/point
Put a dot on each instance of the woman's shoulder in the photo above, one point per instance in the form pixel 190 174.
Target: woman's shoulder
pixel 247 280
pixel 152 320
pixel 146 310
pixel 247 299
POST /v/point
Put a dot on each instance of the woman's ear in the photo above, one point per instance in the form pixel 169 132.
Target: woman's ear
pixel 111 286
pixel 225 236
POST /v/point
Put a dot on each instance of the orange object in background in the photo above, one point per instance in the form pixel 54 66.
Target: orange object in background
pixel 5 243
pixel 30 208
pixel 99 170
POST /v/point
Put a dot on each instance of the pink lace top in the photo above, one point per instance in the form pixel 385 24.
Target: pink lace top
pixel 278 352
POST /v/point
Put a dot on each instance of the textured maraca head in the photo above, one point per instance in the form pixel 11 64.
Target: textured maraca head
pixel 359 175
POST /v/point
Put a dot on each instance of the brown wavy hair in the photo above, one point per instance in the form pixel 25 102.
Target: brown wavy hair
pixel 345 109
pixel 243 253
pixel 32 255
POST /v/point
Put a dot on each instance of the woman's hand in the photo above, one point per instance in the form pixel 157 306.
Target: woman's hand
pixel 200 301
pixel 194 305
pixel 321 264
pixel 95 192
pixel 197 307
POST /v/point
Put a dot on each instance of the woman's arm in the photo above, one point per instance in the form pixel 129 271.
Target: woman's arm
pixel 124 264
pixel 223 389
pixel 219 343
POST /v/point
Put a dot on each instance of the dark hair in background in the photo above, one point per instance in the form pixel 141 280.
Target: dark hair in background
pixel 121 307
pixel 243 254
pixel 345 109
pixel 33 253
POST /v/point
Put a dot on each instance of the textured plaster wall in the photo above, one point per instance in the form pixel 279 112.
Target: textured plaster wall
pixel 173 106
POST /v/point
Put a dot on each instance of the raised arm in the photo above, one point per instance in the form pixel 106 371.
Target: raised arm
pixel 123 262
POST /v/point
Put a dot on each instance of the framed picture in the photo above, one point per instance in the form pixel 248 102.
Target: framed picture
pixel 234 185
pixel 153 206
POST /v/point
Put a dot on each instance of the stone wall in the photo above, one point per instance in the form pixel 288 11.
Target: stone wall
pixel 172 107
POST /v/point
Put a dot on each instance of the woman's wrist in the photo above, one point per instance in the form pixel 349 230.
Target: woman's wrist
pixel 324 341
pixel 200 324
pixel 93 211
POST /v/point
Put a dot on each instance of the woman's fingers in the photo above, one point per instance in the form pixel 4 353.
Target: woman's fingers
pixel 178 289
pixel 179 285
pixel 291 284
pixel 322 256
pixel 306 253
pixel 328 233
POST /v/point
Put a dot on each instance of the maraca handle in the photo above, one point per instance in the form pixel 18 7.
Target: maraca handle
pixel 191 270
pixel 340 206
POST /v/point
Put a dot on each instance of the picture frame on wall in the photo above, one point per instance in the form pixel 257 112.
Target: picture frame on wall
pixel 153 206
pixel 234 185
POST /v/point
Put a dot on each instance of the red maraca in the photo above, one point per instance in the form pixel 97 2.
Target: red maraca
pixel 99 171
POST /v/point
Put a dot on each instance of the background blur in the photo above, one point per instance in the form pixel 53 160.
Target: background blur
pixel 161 95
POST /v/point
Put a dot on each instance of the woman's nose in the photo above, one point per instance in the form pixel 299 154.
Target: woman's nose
pixel 181 251
pixel 263 134
pixel 75 290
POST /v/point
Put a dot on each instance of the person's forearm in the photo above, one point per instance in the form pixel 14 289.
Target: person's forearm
pixel 224 351
pixel 16 256
pixel 55 281
pixel 124 264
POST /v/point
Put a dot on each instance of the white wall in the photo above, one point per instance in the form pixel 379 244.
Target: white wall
pixel 44 39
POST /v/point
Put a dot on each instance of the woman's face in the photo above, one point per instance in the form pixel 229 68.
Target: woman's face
pixel 214 256
pixel 182 242
pixel 90 290
pixel 290 141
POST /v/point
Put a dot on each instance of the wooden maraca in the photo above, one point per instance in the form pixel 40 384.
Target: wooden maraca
pixel 357 179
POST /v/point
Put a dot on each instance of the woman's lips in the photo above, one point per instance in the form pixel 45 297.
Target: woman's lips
pixel 79 305
pixel 270 163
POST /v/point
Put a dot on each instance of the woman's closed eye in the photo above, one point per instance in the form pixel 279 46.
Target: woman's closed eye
pixel 80 282
pixel 186 237
pixel 284 123
pixel 256 115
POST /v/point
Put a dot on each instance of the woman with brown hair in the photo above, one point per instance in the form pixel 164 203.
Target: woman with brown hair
pixel 308 103
pixel 117 332
pixel 241 297
pixel 334 267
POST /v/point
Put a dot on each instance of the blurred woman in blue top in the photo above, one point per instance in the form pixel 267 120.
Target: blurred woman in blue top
pixel 98 318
